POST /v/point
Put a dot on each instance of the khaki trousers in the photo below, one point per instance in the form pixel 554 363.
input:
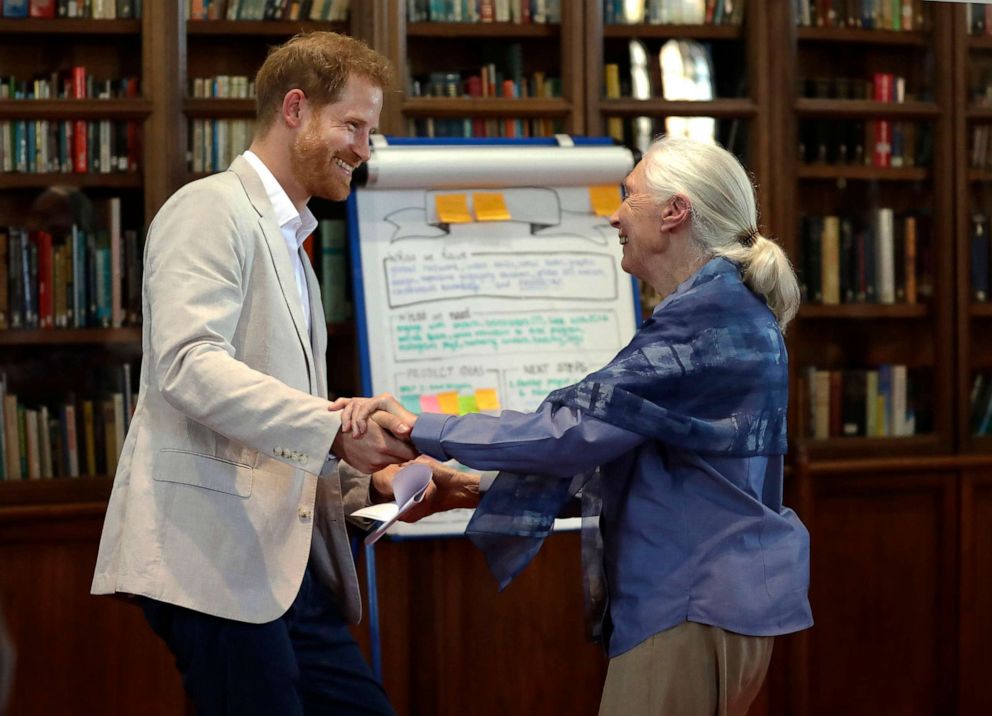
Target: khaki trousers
pixel 688 670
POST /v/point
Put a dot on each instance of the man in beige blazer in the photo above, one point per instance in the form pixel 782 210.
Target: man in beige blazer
pixel 228 511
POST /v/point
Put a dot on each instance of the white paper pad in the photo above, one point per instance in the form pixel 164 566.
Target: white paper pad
pixel 409 486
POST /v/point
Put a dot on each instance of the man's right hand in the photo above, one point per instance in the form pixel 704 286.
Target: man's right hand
pixel 372 451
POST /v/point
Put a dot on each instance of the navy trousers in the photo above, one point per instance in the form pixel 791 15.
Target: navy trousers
pixel 305 662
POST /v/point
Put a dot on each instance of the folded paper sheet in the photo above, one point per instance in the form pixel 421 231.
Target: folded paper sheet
pixel 409 486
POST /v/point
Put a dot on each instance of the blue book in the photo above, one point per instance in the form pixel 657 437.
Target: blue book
pixel 15 8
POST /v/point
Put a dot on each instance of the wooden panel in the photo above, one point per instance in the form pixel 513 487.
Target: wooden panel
pixel 453 645
pixel 882 586
pixel 73 648
pixel 976 594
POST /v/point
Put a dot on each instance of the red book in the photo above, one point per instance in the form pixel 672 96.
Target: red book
pixel 42 8
pixel 79 82
pixel 882 145
pixel 46 314
pixel 487 10
pixel 883 87
pixel 80 164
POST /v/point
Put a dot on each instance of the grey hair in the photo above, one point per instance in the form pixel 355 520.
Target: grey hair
pixel 724 215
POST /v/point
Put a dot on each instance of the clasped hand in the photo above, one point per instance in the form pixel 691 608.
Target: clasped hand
pixel 384 418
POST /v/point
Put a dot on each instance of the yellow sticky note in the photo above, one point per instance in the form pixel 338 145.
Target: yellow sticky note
pixel 605 199
pixel 490 206
pixel 448 402
pixel 487 399
pixel 452 208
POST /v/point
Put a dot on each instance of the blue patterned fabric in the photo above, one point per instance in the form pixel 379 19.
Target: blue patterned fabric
pixel 708 373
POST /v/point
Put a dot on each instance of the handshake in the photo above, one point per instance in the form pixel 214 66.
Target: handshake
pixel 375 437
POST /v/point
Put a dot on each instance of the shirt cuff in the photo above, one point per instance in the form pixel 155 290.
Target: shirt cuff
pixel 426 434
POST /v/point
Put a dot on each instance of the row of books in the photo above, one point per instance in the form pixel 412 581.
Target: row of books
pixel 484 127
pixel 236 86
pixel 74 83
pixel 981 404
pixel 844 261
pixel 92 9
pixel 902 15
pixel 101 146
pixel 979 18
pixel 981 148
pixel 82 279
pixel 877 143
pixel 673 12
pixel 291 10
pixel 880 87
pixel 73 439
pixel 214 143
pixel 888 401
pixel 487 83
pixel 515 11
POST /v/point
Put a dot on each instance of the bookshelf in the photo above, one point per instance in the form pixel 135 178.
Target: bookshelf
pixel 455 99
pixel 833 120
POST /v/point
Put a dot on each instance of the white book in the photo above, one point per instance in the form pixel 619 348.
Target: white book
pixel 106 142
pixel 71 440
pixel 197 145
pixel 116 246
pixel 885 281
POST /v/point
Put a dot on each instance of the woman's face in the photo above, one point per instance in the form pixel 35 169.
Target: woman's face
pixel 638 222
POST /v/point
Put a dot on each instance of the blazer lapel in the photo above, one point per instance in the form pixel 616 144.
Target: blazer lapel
pixel 279 255
pixel 318 331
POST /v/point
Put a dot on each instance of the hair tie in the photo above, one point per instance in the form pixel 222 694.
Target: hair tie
pixel 748 236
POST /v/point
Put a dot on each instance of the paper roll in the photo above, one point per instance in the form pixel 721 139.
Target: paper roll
pixel 440 167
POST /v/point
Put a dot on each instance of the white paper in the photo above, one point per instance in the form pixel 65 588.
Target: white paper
pixel 409 485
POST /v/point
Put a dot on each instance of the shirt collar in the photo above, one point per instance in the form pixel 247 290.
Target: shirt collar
pixel 286 215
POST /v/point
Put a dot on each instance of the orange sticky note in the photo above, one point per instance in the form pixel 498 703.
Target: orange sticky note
pixel 448 403
pixel 487 399
pixel 452 208
pixel 490 206
pixel 605 199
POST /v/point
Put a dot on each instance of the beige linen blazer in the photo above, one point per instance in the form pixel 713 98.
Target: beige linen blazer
pixel 223 489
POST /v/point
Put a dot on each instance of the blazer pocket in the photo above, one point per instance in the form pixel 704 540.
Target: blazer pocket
pixel 206 471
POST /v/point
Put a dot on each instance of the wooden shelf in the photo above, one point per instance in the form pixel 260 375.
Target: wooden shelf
pixel 843 35
pixel 979 114
pixel 495 106
pixel 980 42
pixel 52 491
pixel 36 26
pixel 260 28
pixel 860 173
pixel 979 175
pixel 857 108
pixel 854 447
pixel 719 108
pixel 75 108
pixel 503 30
pixel 215 108
pixel 690 32
pixel 981 310
pixel 116 180
pixel 38 336
pixel 861 311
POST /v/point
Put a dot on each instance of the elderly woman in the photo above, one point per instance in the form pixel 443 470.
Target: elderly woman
pixel 682 436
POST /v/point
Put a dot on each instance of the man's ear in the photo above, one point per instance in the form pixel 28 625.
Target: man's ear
pixel 675 213
pixel 294 105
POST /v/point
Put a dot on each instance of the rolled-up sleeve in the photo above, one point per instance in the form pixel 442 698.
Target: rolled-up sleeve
pixel 560 442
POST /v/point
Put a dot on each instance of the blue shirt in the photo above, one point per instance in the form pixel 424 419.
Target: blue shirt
pixel 685 538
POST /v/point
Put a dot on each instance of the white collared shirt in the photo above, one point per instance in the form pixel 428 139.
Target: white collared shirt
pixel 295 227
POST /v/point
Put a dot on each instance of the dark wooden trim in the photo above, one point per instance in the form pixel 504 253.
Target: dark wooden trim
pixel 114 180
pixel 862 311
pixel 842 35
pixel 719 108
pixel 810 107
pixel 689 32
pixel 53 492
pixel 75 108
pixel 502 30
pixel 59 336
pixel 261 28
pixel 493 106
pixel 860 173
pixel 37 26
pixel 217 107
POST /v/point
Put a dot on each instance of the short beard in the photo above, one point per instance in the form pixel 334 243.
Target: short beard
pixel 312 163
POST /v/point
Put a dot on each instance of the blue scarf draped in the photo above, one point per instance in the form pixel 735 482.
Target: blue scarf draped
pixel 708 372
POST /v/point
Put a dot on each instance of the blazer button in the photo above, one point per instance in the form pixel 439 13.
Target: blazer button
pixel 305 513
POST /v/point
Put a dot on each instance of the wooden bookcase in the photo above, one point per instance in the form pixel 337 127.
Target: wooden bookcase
pixel 850 336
